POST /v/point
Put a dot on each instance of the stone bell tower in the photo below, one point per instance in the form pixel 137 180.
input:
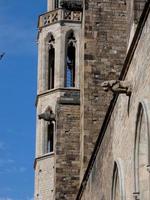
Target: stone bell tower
pixel 57 162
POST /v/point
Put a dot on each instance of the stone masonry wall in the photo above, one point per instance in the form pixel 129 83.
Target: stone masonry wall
pixel 119 141
pixel 105 46
pixel 67 147
pixel 44 178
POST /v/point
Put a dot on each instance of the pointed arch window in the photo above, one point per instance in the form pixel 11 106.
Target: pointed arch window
pixel 51 63
pixel 118 189
pixel 138 8
pixel 70 69
pixel 142 152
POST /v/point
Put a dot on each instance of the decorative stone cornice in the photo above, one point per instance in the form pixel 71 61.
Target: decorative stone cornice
pixel 59 15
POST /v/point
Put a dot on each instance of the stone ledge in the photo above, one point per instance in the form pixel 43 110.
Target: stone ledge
pixel 47 92
pixel 70 98
pixel 45 156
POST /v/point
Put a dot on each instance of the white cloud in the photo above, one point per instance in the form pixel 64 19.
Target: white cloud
pixel 6 162
pixel 5 198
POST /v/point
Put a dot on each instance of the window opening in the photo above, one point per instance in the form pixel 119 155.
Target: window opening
pixel 51 63
pixel 138 8
pixel 56 4
pixel 116 189
pixel 141 153
pixel 50 138
pixel 70 61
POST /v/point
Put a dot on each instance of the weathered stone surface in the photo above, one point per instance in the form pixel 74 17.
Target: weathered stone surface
pixel 105 46
pixel 102 41
pixel 67 148
pixel 119 142
pixel 44 177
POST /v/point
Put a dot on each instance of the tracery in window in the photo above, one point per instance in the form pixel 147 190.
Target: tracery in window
pixel 70 61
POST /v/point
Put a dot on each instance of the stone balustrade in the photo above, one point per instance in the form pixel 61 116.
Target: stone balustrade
pixel 59 15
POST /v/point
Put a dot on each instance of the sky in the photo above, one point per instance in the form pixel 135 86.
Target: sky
pixel 18 68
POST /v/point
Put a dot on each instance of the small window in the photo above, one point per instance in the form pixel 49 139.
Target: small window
pixel 118 188
pixel 51 70
pixel 56 4
pixel 50 138
pixel 70 61
pixel 138 8
pixel 51 63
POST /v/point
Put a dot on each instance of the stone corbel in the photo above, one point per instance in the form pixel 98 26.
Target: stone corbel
pixel 48 115
pixel 117 86
pixel 136 195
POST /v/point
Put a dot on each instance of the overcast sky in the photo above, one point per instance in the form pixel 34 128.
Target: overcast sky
pixel 18 30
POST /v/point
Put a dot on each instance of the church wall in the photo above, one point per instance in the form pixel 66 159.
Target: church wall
pixel 119 140
pixel 105 46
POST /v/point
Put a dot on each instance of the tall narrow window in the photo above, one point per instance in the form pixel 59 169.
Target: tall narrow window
pixel 142 152
pixel 118 189
pixel 51 63
pixel 138 8
pixel 50 138
pixel 56 4
pixel 51 69
pixel 70 61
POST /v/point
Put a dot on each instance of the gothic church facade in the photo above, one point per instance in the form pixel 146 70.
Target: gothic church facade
pixel 93 101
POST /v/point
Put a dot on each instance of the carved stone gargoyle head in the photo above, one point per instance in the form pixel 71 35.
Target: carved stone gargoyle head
pixel 48 115
pixel 117 86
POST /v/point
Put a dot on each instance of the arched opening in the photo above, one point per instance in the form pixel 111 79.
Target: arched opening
pixel 51 67
pixel 51 63
pixel 70 61
pixel 138 8
pixel 141 154
pixel 118 191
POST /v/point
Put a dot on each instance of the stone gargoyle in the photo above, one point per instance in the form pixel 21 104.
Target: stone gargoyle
pixel 117 86
pixel 48 115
